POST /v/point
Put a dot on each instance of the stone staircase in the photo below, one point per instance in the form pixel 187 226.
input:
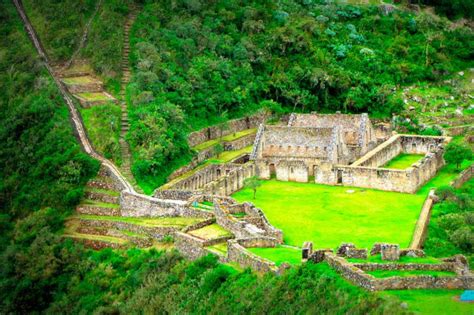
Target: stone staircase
pixel 258 137
pixel 125 127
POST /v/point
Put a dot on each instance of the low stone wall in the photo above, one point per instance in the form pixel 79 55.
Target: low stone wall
pixel 141 242
pixel 463 177
pixel 189 246
pixel 421 228
pixel 381 154
pixel 99 244
pixel 350 272
pixel 237 253
pixel 88 88
pixel 458 130
pixel 406 267
pixel 92 195
pixel 239 143
pixel 425 282
pixel 176 194
pixel 234 125
pixel 135 205
pixel 253 225
pixel 94 210
pixel 199 225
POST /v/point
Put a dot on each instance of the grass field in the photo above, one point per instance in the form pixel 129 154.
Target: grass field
pixel 330 215
pixel 279 254
pixel 94 96
pixel 403 161
pixel 433 302
pixel 80 80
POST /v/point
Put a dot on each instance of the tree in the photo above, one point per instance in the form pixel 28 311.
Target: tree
pixel 252 183
pixel 218 149
pixel 456 154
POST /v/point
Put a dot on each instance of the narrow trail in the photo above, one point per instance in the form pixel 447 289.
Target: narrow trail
pixel 125 127
pixel 84 35
pixel 75 116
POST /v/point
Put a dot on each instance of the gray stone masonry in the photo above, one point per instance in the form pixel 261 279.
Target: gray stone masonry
pixel 390 251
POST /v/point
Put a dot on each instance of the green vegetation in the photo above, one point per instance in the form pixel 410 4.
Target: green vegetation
pixel 403 161
pixel 330 215
pixel 398 273
pixel 220 249
pixel 210 232
pixel 206 60
pixel 451 229
pixel 94 96
pixel 79 80
pixel 231 137
pixel 252 183
pixel 279 254
pixel 103 128
pixel 432 301
pixel 457 153
pixel 59 24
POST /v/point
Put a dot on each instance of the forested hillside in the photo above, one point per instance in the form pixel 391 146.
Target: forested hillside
pixel 198 63
pixel 42 174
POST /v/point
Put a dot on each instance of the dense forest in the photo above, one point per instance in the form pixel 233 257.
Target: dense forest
pixel 43 171
pixel 196 63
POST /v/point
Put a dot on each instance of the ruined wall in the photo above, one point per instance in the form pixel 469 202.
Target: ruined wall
pixel 381 154
pixel 463 177
pixel 294 171
pixel 189 246
pixel 237 253
pixel 408 180
pixel 421 228
pixel 135 205
pixel 235 125
pixel 231 181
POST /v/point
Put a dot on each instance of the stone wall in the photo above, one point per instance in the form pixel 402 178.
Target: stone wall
pixel 236 252
pixel 235 125
pixel 356 275
pixel 231 181
pixel 189 246
pixel 421 228
pixel 135 205
pixel 176 194
pixel 253 225
pixel 381 154
pixel 463 177
pixel 407 181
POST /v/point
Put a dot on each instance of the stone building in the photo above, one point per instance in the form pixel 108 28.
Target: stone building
pixel 310 141
pixel 339 149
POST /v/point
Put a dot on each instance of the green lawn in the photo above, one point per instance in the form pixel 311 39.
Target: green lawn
pixel 398 273
pixel 231 137
pixel 331 215
pixel 279 254
pixel 403 161
pixel 433 302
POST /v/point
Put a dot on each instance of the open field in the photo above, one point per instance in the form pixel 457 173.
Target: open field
pixel 279 254
pixel 433 302
pixel 330 215
pixel 403 161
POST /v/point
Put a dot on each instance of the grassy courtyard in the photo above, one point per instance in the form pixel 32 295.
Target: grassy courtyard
pixel 330 215
pixel 403 161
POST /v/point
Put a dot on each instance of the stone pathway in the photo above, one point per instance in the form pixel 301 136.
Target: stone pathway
pixel 125 126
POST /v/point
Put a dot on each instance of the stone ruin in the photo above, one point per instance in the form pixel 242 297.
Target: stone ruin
pixel 343 149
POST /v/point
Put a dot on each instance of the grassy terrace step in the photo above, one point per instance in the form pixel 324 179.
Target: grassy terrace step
pixel 93 237
pixel 398 273
pixel 111 193
pixel 147 222
pixel 219 249
pixel 81 80
pixel 227 138
pixel 210 232
pixel 88 202
pixel 279 254
pixel 95 97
